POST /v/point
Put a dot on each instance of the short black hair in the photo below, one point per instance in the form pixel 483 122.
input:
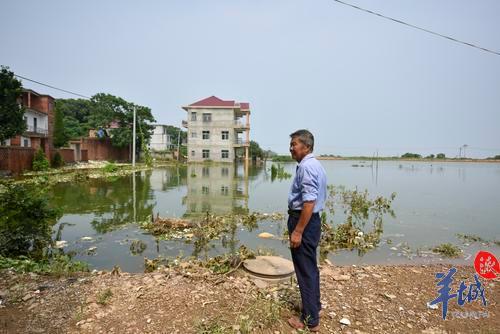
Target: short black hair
pixel 305 137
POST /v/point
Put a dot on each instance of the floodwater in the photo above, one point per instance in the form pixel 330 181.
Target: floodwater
pixel 434 202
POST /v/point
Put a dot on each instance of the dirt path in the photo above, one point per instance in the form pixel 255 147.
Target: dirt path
pixel 188 299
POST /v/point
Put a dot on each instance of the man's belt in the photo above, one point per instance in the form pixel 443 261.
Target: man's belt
pixel 294 213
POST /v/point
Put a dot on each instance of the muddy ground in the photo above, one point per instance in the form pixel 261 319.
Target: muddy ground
pixel 190 299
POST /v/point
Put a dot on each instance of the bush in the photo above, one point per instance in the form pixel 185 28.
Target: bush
pixel 40 162
pixel 58 264
pixel 57 160
pixel 25 220
pixel 110 168
pixel 409 155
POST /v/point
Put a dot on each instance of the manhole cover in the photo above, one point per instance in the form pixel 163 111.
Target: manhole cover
pixel 269 266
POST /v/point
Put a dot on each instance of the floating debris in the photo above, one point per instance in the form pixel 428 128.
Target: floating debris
pixel 60 244
pixel 137 247
pixel 266 235
pixel 91 250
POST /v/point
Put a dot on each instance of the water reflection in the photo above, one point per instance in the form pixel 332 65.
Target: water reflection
pixel 219 189
pixel 445 198
pixel 113 202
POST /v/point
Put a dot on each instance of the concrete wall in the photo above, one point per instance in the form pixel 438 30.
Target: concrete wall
pixel 160 140
pixel 222 120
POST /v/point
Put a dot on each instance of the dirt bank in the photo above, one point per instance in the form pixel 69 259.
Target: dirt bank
pixel 189 299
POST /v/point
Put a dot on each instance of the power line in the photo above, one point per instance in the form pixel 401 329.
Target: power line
pixel 50 86
pixel 419 28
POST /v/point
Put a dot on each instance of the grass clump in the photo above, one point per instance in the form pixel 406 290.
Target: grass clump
pixel 447 249
pixel 104 296
pixel 110 167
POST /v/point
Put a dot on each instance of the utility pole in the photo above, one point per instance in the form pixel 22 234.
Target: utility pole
pixel 133 140
pixel 178 144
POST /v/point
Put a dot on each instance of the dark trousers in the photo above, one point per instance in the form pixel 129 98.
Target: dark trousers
pixel 306 267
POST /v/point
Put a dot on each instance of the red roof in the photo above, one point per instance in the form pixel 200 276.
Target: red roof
pixel 214 101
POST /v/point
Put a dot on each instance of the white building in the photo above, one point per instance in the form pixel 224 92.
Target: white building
pixel 218 130
pixel 161 140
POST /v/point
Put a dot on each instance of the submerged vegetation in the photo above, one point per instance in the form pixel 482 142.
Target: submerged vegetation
pixel 363 220
pixel 447 249
pixel 278 172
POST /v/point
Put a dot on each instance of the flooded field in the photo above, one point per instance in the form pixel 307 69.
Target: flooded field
pixel 434 202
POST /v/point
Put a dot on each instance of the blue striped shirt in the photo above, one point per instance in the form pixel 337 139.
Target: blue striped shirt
pixel 309 184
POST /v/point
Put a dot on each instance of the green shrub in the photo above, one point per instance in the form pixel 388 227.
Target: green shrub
pixel 57 160
pixel 110 168
pixel 58 264
pixel 40 162
pixel 447 249
pixel 25 220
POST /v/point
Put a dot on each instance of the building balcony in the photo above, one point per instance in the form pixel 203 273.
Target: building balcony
pixel 184 124
pixel 240 125
pixel 241 143
pixel 35 131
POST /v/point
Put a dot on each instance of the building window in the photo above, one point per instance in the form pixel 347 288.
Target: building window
pixel 206 134
pixel 193 134
pixel 207 117
pixel 225 135
pixel 193 115
pixel 224 190
pixel 205 190
pixel 224 171
pixel 192 153
pixel 225 154
pixel 206 154
pixel 205 172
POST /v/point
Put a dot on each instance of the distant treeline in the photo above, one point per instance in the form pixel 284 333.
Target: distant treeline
pixel 407 155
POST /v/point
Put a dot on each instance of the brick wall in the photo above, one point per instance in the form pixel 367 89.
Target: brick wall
pixel 68 154
pixel 16 159
pixel 101 149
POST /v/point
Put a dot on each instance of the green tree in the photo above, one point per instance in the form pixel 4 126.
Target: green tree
pixel 107 109
pixel 411 156
pixel 254 150
pixel 60 134
pixel 440 156
pixel 11 113
pixel 26 220
pixel 76 116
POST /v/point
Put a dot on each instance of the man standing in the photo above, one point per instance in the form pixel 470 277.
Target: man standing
pixel 305 201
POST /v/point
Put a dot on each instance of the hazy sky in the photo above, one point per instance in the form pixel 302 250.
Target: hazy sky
pixel 358 82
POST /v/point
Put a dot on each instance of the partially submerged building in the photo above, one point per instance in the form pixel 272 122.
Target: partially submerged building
pixel 218 130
